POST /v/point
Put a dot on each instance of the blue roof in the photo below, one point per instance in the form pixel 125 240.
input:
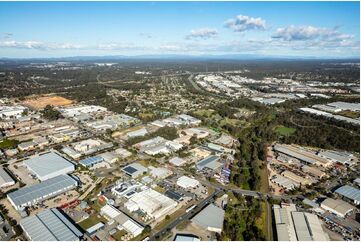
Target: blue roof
pixel 349 192
pixel 90 161
pixel 129 169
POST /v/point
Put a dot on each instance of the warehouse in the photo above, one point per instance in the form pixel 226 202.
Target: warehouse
pixel 220 149
pixel 302 154
pixel 29 145
pixel 296 178
pixel 337 207
pixel 350 193
pixel 93 162
pixel 137 133
pixel 284 182
pixel 297 226
pixel 48 165
pixel 177 161
pixel 210 162
pixel 128 224
pixel 339 157
pixel 134 170
pixel 5 179
pixel 159 172
pixel 50 225
pixel 187 182
pixel 123 153
pixel 314 171
pixel 109 157
pixel 30 195
pixel 151 202
pixel 210 218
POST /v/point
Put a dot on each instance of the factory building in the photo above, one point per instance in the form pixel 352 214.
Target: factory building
pixel 50 225
pixel 152 203
pixel 337 207
pixel 31 195
pixel 5 179
pixel 210 162
pixel 48 165
pixel 134 170
pixel 350 193
pixel 297 226
pixel 187 182
pixel 210 218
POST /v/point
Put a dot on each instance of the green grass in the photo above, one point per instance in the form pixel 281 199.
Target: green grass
pixel 285 131
pixel 8 144
pixel 118 235
pixel 92 220
pixel 261 222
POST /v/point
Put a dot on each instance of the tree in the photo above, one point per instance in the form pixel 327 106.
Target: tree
pixel 50 113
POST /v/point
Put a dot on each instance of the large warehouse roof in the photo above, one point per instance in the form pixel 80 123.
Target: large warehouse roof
pixel 46 164
pixel 50 225
pixel 210 162
pixel 349 192
pixel 5 178
pixel 210 218
pixel 43 189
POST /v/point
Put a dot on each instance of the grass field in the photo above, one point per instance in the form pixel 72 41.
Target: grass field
pixel 8 144
pixel 118 235
pixel 282 130
pixel 92 220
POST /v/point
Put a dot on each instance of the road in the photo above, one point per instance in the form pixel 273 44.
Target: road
pixel 186 216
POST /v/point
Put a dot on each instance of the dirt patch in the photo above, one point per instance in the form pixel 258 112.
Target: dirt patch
pixel 41 102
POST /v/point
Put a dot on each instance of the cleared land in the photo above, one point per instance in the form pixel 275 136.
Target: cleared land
pixel 41 102
pixel 282 130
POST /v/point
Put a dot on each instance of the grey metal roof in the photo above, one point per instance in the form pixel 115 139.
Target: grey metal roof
pixel 34 192
pixel 211 216
pixel 50 225
pixel 4 177
pixel 210 162
pixel 91 161
pixel 338 156
pixel 349 192
pixel 302 231
pixel 47 163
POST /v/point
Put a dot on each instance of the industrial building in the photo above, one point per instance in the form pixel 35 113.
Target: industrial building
pixel 187 182
pixel 158 145
pixel 314 171
pixel 337 207
pixel 5 179
pixel 220 149
pixel 9 112
pixel 177 161
pixel 48 165
pixel 302 155
pixel 350 193
pixel 124 222
pixel 159 172
pixel 134 170
pixel 297 226
pixel 285 183
pixel 137 133
pixel 210 162
pixel 298 179
pixel 93 162
pixel 339 157
pixel 210 218
pixel 50 225
pixel 151 202
pixel 30 195
pixel 109 157
pixel 186 237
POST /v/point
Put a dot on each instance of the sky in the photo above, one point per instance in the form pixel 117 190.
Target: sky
pixel 294 29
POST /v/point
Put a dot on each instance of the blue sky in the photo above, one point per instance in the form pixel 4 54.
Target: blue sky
pixel 55 29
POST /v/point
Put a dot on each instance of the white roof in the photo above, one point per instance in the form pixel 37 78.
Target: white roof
pixel 110 211
pixel 187 182
pixel 177 161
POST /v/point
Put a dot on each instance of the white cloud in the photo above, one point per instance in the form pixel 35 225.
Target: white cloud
pixel 38 45
pixel 242 23
pixel 117 46
pixel 204 33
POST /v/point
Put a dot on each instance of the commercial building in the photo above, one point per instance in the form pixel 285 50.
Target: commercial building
pixel 50 225
pixel 31 195
pixel 48 165
pixel 5 179
pixel 187 182
pixel 152 203
pixel 297 226
pixel 337 207
pixel 350 193
pixel 210 218
pixel 134 170
pixel 210 162
pixel 126 189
